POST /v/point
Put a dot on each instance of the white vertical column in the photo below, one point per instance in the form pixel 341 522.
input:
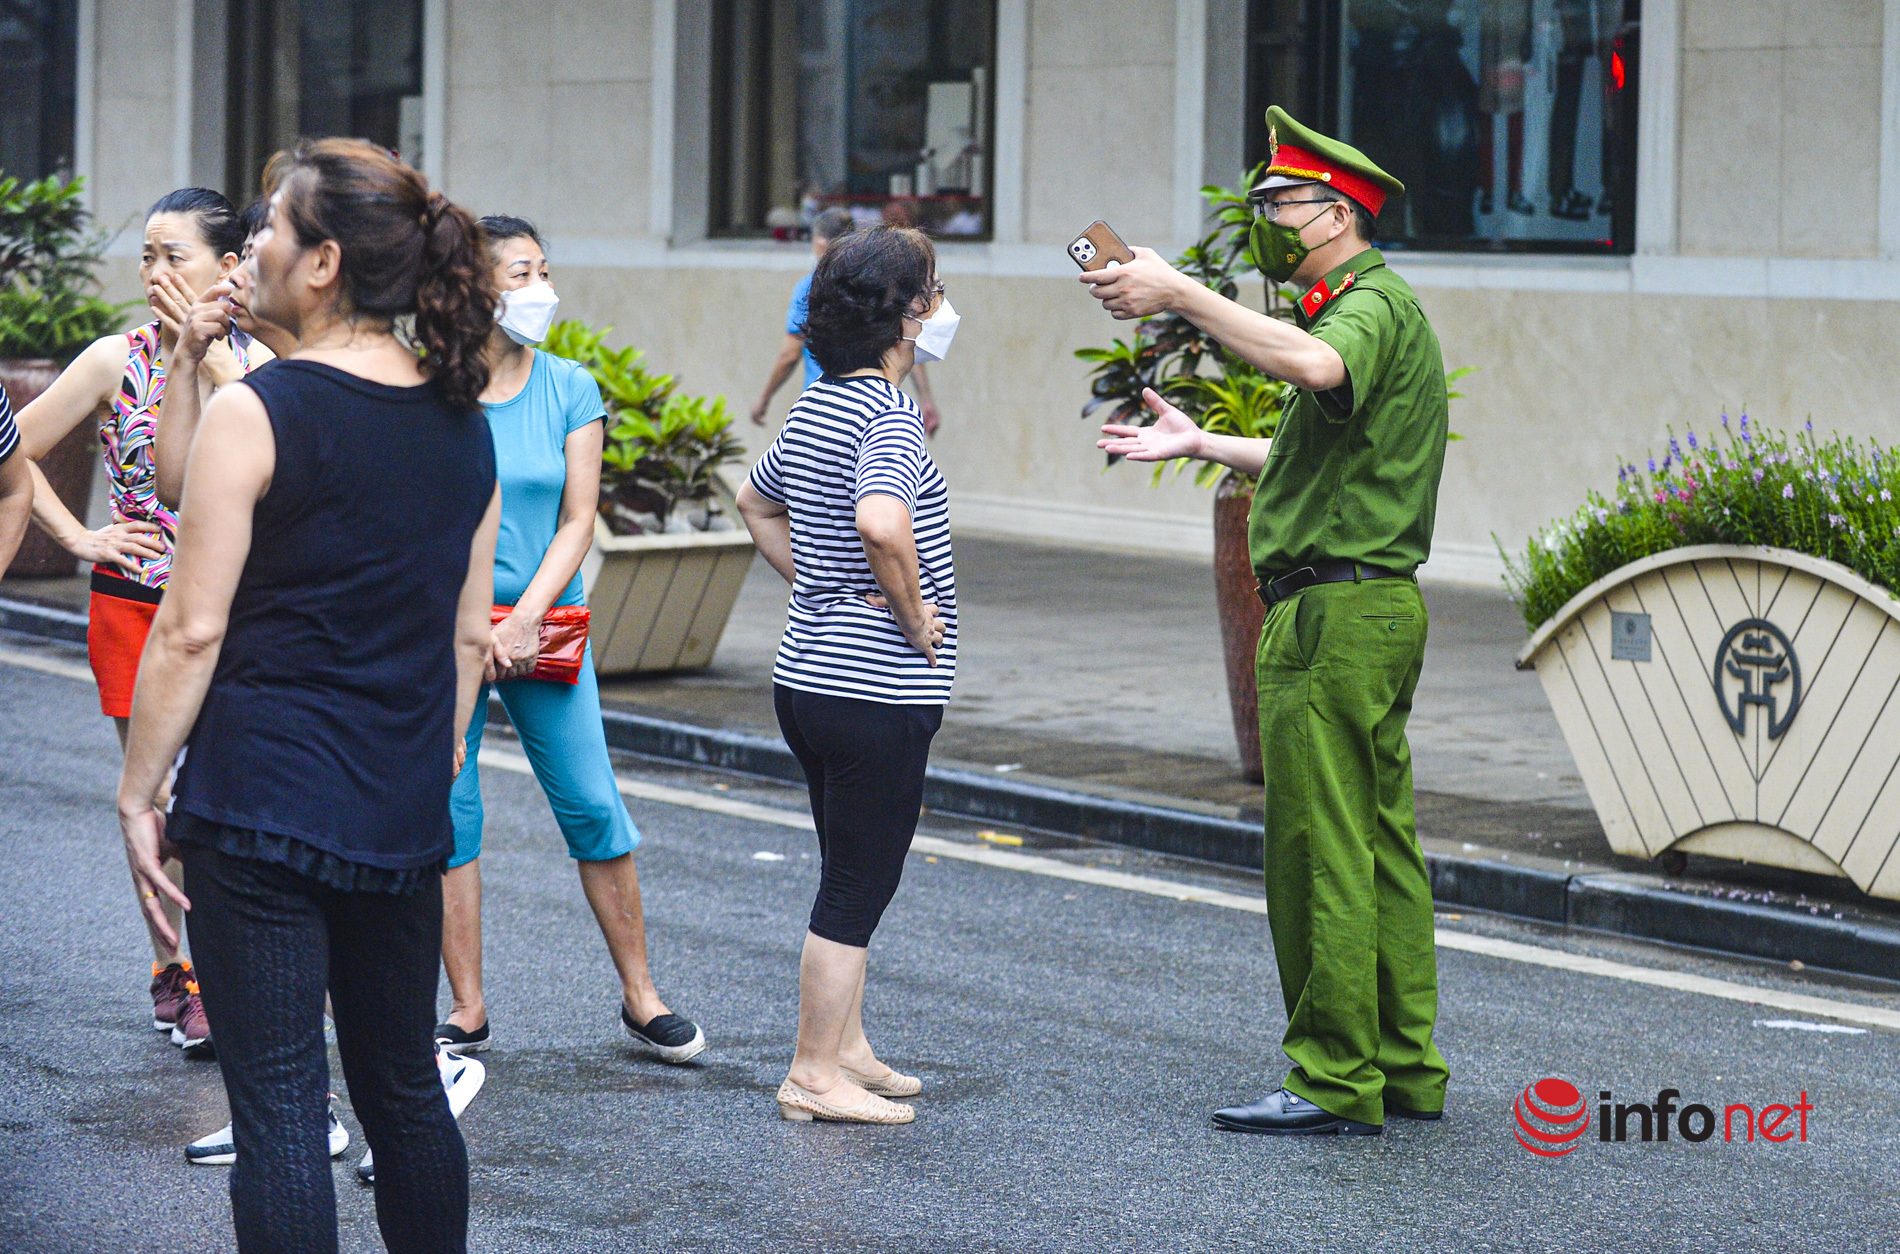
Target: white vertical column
pixel 1890 130
pixel 1658 108
pixel 435 91
pixel 664 103
pixel 184 24
pixel 1010 121
pixel 85 93
pixel 1190 117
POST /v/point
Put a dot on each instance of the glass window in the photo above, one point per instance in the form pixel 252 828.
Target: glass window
pixel 37 47
pixel 1512 123
pixel 880 106
pixel 322 67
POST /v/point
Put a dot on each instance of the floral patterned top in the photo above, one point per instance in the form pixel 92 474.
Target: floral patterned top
pixel 130 437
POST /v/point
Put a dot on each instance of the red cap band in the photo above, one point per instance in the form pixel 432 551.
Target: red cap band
pixel 1300 164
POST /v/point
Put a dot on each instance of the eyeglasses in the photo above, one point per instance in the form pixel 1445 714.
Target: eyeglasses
pixel 1270 209
pixel 929 295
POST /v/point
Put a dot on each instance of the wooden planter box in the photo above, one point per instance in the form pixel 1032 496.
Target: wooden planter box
pixel 660 602
pixel 1738 702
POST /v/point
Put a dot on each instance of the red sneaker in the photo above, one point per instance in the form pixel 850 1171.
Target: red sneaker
pixel 193 1030
pixel 168 994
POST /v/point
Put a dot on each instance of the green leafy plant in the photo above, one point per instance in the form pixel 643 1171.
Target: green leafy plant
pixel 49 293
pixel 1832 498
pixel 663 450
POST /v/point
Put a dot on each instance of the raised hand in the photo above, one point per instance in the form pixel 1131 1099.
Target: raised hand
pixel 171 298
pixel 1143 287
pixel 206 335
pixel 1172 435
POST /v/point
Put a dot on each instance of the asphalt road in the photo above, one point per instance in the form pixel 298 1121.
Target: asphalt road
pixel 1072 1039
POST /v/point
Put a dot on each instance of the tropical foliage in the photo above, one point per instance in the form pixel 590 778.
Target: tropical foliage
pixel 663 450
pixel 49 296
pixel 1830 498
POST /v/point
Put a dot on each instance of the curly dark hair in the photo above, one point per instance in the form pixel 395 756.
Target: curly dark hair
pixel 406 251
pixel 865 285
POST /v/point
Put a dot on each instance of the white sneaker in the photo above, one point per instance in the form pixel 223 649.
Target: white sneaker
pixel 220 1150
pixel 462 1078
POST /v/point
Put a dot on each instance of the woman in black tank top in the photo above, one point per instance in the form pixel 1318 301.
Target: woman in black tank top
pixel 317 653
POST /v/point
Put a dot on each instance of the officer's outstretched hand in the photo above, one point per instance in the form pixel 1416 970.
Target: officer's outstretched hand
pixel 1172 435
pixel 1138 289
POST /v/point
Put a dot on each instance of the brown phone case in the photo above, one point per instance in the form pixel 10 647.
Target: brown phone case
pixel 1094 248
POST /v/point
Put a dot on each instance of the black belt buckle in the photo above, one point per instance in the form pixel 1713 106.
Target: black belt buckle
pixel 1275 591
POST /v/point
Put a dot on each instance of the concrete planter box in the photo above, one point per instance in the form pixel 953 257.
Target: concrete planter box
pixel 660 602
pixel 1738 702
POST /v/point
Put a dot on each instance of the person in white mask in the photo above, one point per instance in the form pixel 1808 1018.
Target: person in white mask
pixel 847 505
pixel 548 423
pixel 829 226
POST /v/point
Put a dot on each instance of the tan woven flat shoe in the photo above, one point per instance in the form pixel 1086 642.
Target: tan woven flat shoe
pixel 799 1106
pixel 896 1084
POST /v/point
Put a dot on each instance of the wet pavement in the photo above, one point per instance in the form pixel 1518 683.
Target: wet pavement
pixel 1071 1036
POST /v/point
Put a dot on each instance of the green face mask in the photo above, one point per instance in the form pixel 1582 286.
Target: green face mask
pixel 1278 249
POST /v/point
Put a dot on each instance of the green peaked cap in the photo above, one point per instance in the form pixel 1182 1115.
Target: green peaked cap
pixel 1300 153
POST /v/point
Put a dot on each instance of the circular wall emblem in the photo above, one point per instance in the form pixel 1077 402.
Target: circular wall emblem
pixel 1756 665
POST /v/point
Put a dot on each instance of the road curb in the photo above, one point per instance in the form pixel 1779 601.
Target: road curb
pixel 1635 905
pixel 42 620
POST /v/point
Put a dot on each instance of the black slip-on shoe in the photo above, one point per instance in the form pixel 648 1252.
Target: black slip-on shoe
pixel 454 1040
pixel 675 1038
pixel 1285 1113
pixel 1423 1116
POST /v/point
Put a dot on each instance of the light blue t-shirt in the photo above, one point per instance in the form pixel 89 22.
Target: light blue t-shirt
pixel 795 325
pixel 531 464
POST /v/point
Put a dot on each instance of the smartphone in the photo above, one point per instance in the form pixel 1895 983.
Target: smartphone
pixel 1099 247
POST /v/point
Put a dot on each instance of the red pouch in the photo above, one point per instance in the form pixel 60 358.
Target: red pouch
pixel 563 642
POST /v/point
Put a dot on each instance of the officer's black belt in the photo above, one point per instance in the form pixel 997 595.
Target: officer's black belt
pixel 1273 591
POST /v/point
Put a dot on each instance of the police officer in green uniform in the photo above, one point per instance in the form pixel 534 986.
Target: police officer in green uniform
pixel 1342 518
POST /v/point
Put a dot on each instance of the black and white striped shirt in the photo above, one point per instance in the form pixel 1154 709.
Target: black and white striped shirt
pixel 847 439
pixel 9 433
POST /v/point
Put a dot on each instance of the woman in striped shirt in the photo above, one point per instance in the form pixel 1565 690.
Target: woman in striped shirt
pixel 849 508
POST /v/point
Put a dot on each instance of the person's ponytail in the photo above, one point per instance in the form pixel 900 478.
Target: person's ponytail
pixel 406 251
pixel 455 302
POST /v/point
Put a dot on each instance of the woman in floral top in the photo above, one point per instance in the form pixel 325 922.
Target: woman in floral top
pixel 193 238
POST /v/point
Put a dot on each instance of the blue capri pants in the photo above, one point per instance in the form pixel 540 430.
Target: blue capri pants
pixel 559 726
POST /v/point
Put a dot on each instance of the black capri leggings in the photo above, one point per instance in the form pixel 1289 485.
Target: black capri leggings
pixel 864 764
pixel 267 942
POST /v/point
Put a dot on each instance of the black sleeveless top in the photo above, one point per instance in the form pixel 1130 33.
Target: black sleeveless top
pixel 329 723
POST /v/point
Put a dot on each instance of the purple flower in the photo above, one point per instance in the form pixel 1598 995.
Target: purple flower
pixel 1808 425
pixel 1725 420
pixel 1652 465
pixel 1692 439
pixel 1758 474
pixel 1787 492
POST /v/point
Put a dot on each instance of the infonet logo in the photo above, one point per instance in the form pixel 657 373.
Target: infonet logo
pixel 1552 1115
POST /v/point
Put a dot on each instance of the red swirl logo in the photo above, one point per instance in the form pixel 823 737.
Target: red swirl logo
pixel 1551 1116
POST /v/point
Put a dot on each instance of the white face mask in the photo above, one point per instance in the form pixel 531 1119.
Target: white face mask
pixel 526 313
pixel 935 333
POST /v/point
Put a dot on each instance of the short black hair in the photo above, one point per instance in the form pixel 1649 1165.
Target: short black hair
pixel 499 226
pixel 1363 220
pixel 864 286
pixel 218 222
pixel 833 223
pixel 256 216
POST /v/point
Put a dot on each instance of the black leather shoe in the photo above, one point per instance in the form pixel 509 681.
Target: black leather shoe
pixel 1423 1116
pixel 1284 1113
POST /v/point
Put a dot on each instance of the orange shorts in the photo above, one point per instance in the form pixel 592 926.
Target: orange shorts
pixel 118 620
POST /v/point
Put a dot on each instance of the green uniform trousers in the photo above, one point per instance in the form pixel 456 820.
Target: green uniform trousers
pixel 1348 897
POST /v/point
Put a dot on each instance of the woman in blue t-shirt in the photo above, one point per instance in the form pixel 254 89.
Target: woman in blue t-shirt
pixel 549 426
